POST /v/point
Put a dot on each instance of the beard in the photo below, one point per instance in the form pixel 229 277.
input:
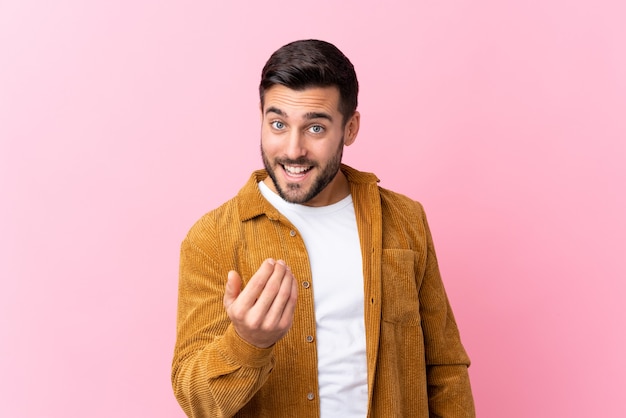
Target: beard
pixel 294 192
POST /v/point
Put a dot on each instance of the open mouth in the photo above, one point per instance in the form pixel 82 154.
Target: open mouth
pixel 296 171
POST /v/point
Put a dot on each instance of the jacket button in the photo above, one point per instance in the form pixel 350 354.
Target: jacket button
pixel 310 396
pixel 309 338
pixel 306 285
pixel 292 233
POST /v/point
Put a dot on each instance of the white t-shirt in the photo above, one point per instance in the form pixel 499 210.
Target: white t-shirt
pixel 332 241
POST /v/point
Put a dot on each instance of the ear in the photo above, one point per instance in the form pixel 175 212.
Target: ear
pixel 352 129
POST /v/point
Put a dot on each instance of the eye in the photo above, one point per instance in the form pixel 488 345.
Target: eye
pixel 316 129
pixel 278 125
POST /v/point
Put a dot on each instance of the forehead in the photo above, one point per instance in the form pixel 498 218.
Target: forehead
pixel 299 102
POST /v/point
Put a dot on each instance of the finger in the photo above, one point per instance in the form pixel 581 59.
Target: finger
pixel 290 306
pixel 271 289
pixel 288 290
pixel 233 288
pixel 256 284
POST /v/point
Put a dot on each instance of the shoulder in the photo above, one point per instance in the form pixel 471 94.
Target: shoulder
pixel 206 230
pixel 399 204
pixel 404 222
pixel 248 203
pixel 390 200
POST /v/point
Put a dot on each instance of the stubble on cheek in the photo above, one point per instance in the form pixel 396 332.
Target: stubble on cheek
pixel 294 192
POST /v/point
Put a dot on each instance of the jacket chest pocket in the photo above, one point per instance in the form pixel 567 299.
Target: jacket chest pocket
pixel 400 303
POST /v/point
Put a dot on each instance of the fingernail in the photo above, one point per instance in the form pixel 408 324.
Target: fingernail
pixel 271 261
pixel 282 262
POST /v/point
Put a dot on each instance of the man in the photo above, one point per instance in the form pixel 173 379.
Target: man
pixel 314 292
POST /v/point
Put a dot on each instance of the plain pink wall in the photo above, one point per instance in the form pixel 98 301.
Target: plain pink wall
pixel 122 122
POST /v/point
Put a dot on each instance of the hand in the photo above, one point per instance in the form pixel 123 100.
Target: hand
pixel 262 312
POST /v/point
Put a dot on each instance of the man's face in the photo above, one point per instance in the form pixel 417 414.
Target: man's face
pixel 302 139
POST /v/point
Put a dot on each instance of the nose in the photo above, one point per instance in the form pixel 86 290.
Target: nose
pixel 295 147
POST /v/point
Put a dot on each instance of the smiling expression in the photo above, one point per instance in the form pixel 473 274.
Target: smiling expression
pixel 302 140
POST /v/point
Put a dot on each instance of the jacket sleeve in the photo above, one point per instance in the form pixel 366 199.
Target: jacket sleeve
pixel 214 372
pixel 449 390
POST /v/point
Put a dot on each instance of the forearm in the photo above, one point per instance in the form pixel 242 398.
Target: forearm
pixel 447 362
pixel 449 392
pixel 218 379
pixel 214 371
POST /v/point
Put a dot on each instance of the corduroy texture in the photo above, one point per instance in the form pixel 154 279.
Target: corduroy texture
pixel 417 366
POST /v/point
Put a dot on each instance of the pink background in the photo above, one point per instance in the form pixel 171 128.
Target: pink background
pixel 122 122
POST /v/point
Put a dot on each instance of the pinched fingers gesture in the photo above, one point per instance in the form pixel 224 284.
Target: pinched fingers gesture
pixel 262 312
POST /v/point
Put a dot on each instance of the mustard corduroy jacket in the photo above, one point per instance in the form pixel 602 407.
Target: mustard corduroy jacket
pixel 417 366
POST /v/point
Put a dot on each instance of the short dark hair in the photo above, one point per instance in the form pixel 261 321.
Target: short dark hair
pixel 312 63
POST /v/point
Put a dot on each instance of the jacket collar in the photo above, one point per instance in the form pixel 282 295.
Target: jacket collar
pixel 251 202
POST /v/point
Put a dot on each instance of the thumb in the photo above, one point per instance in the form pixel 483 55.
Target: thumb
pixel 233 288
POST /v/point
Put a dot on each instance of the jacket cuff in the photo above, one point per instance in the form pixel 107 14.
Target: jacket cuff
pixel 242 352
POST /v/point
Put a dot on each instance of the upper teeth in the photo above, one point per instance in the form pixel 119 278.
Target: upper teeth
pixel 295 170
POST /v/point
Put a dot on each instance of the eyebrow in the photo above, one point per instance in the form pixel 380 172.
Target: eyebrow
pixel 307 116
pixel 318 115
pixel 276 110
